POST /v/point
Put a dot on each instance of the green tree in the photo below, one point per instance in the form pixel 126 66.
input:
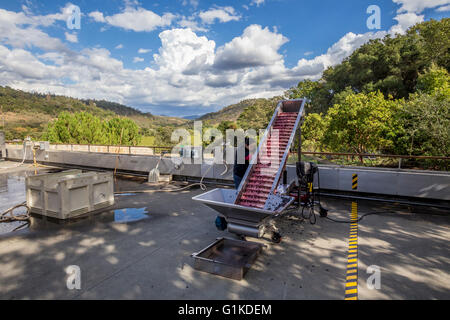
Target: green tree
pixel 163 137
pixel 435 39
pixel 313 129
pixel 425 125
pixel 393 64
pixel 86 128
pixel 258 115
pixel 122 131
pixel 435 78
pixel 361 123
pixel 225 125
pixel 81 127
pixel 318 94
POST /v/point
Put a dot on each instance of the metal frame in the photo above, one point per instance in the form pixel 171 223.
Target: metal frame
pixel 261 144
pixel 287 150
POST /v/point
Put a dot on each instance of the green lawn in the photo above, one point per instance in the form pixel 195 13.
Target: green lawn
pixel 147 141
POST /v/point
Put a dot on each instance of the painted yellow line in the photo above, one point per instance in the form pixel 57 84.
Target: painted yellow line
pixel 351 285
pixel 350 291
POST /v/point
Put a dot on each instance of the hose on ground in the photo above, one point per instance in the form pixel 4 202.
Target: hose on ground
pixel 360 218
pixel 9 216
pixel 201 184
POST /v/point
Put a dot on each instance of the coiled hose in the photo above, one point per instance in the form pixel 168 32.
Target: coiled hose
pixel 9 216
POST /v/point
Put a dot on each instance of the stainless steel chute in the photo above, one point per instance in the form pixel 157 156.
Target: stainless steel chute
pixel 248 209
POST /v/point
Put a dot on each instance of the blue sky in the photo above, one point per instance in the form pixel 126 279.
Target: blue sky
pixel 185 57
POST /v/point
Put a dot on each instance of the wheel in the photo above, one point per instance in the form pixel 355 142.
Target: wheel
pixel 276 237
pixel 221 223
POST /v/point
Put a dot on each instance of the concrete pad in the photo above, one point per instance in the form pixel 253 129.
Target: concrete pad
pixel 150 258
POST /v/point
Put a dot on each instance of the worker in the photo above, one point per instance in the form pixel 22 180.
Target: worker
pixel 240 169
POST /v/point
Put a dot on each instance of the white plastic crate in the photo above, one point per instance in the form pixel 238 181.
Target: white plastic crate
pixel 69 194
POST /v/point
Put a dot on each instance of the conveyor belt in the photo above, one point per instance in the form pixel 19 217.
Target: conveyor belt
pixel 261 178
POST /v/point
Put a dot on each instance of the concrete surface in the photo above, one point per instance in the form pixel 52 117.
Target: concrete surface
pixel 150 258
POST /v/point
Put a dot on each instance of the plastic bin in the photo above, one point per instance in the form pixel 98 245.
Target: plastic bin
pixel 69 194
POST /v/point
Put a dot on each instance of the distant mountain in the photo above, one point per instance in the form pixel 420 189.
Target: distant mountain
pixel 117 108
pixel 193 117
pixel 232 112
pixel 27 113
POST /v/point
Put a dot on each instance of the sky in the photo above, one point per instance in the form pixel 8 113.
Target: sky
pixel 188 57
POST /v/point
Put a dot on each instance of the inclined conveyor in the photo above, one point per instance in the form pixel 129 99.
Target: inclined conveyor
pixel 249 209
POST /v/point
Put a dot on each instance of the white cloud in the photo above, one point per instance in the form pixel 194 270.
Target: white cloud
pixel 222 14
pixel 256 47
pixel 418 6
pixel 193 3
pixel 143 51
pixel 137 59
pixel 24 65
pixel 443 9
pixel 119 46
pixel 71 37
pixel 97 16
pixel 190 23
pixel 405 21
pixel 257 2
pixel 136 19
pixel 181 48
pixel 19 30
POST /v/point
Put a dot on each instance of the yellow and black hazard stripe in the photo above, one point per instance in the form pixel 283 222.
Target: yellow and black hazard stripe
pixel 351 281
pixel 355 182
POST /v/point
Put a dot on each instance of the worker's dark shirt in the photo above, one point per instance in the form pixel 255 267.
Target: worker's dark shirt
pixel 240 169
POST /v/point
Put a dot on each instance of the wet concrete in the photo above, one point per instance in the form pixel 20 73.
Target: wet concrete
pixel 149 258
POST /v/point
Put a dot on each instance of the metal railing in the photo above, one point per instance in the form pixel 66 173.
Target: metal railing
pixel 328 155
pixel 362 156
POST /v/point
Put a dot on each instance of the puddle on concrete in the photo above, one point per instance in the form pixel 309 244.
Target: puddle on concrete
pixel 12 192
pixel 130 215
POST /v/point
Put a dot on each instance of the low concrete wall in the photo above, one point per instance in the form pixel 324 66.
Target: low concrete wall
pixel 393 182
pixel 102 149
pixel 383 181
